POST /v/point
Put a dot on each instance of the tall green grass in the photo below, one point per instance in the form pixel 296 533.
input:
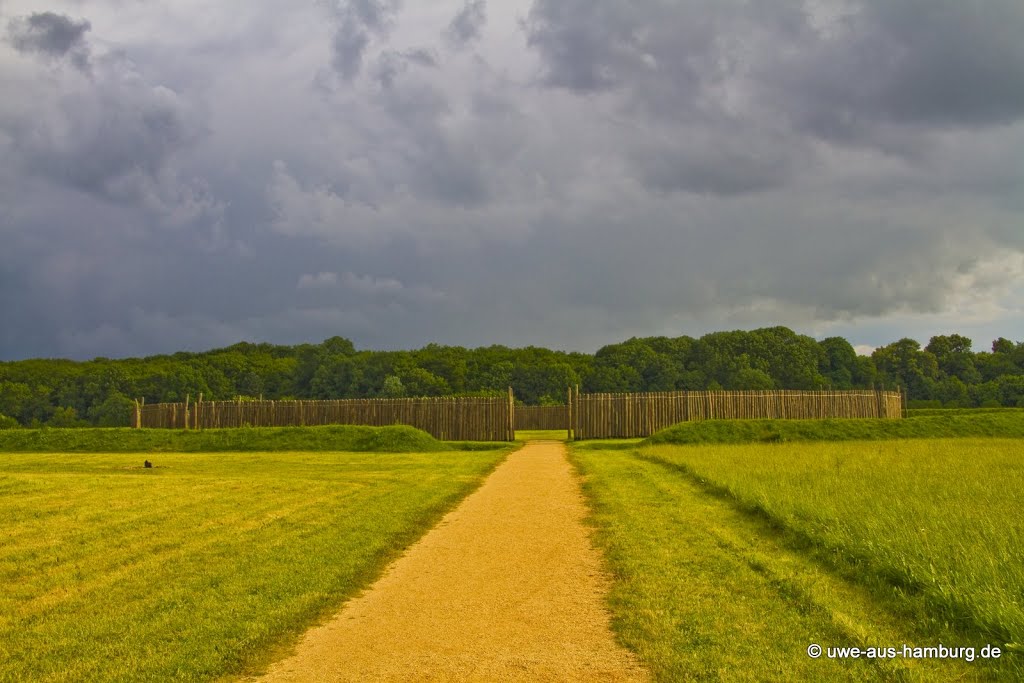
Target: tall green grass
pixel 703 591
pixel 357 438
pixel 940 519
pixel 1006 424
pixel 204 564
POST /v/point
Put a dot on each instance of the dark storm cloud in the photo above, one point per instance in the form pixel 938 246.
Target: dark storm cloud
pixel 421 56
pixel 720 164
pixel 52 35
pixel 662 54
pixel 438 163
pixel 466 25
pixel 113 139
pixel 909 62
pixel 387 67
pixel 668 68
pixel 884 75
pixel 585 46
pixel 390 63
pixel 601 170
pixel 419 145
pixel 349 43
pixel 359 21
pixel 903 61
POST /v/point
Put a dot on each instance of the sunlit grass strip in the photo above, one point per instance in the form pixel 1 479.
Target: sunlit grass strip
pixel 202 565
pixel 938 518
pixel 541 435
pixel 702 591
pixel 1005 424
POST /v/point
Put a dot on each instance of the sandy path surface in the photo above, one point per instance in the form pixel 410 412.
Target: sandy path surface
pixel 507 587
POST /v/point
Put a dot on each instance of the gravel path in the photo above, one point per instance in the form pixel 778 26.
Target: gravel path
pixel 508 587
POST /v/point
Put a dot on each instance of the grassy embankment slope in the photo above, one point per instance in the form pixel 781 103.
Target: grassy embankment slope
pixel 352 438
pixel 954 424
pixel 731 558
pixel 204 564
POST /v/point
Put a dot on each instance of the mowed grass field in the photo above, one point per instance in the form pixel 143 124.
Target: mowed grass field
pixel 206 564
pixel 731 559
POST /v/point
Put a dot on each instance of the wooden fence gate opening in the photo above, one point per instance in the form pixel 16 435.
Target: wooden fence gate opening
pixel 542 417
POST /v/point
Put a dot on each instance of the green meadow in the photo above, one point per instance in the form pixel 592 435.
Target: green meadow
pixel 731 559
pixel 733 545
pixel 205 564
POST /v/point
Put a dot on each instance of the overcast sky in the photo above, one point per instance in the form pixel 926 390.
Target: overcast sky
pixel 565 173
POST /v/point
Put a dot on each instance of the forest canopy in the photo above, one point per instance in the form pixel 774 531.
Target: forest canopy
pixel 945 372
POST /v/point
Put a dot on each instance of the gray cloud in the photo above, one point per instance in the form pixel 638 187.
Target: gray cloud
pixel 358 22
pixel 52 35
pixel 115 137
pixel 599 171
pixel 583 50
pixel 846 67
pixel 390 63
pixel 349 43
pixel 422 56
pixel 911 62
pixel 466 25
pixel 728 161
pixel 663 55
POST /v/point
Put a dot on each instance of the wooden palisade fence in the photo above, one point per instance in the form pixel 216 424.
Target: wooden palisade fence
pixel 603 416
pixel 585 416
pixel 448 419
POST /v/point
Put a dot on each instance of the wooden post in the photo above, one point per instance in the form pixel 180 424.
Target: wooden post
pixel 199 402
pixel 187 397
pixel 511 416
pixel 138 416
pixel 576 415
pixel 568 408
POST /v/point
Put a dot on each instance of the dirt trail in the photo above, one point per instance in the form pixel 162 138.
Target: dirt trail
pixel 507 587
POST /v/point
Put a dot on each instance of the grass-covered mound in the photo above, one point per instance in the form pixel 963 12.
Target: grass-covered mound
pixel 1005 424
pixel 357 438
pixel 924 412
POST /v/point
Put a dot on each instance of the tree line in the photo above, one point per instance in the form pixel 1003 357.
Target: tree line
pixel 946 372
